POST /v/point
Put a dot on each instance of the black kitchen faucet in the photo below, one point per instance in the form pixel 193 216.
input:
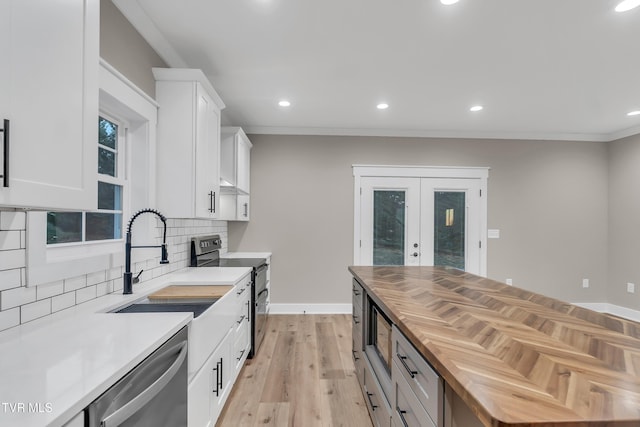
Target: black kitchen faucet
pixel 127 288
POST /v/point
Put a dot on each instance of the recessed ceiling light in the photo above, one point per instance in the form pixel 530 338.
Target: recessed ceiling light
pixel 476 108
pixel 382 106
pixel 448 2
pixel 634 113
pixel 625 5
pixel 284 103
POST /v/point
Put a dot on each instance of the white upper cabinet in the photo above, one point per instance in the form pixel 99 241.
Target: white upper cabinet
pixel 235 159
pixel 49 98
pixel 188 168
pixel 235 162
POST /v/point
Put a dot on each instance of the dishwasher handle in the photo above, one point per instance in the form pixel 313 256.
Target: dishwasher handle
pixel 124 413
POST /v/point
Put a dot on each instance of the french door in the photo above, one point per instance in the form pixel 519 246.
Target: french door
pixel 421 221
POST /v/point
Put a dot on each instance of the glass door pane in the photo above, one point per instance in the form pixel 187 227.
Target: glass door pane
pixel 449 229
pixel 388 227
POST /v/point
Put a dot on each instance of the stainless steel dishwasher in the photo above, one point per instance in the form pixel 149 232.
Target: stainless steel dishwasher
pixel 153 394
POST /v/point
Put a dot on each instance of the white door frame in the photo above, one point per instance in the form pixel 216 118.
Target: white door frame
pixel 479 173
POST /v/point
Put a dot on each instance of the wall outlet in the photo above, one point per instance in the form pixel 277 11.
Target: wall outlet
pixel 631 288
pixel 509 282
pixel 585 283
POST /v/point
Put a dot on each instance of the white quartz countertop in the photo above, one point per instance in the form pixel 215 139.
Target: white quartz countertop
pixel 52 368
pixel 245 255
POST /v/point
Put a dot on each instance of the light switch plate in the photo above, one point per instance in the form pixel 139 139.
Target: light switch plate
pixel 493 234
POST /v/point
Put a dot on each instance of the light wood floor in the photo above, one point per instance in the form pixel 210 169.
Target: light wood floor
pixel 303 375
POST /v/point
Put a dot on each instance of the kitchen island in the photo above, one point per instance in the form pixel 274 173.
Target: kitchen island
pixel 515 358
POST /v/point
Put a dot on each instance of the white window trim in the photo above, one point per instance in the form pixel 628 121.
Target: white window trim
pixel 480 173
pixel 119 97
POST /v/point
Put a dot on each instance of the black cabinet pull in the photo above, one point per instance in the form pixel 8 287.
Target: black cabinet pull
pixel 241 319
pixel 211 199
pixel 218 370
pixel 5 149
pixel 356 292
pixel 241 354
pixel 248 311
pixel 373 407
pixel 355 320
pixel 401 413
pixel 214 202
pixel 354 355
pixel 404 363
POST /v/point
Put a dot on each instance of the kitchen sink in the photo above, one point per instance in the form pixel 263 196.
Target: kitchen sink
pixel 146 306
pixel 197 308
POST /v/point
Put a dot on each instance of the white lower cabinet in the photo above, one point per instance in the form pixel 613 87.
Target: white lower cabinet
pixel 211 386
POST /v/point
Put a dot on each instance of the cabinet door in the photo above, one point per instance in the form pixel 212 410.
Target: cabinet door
pixel 200 395
pixel 244 164
pixel 207 147
pixel 50 95
pixel 243 211
pixel 223 374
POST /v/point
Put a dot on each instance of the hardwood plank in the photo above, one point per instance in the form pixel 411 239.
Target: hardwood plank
pixel 283 384
pixel 273 414
pixel 329 358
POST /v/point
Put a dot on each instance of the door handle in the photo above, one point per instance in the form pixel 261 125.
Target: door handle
pixel 415 254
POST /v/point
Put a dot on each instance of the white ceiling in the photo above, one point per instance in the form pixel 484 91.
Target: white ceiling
pixel 542 69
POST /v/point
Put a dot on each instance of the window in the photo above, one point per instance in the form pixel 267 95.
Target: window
pixel 105 223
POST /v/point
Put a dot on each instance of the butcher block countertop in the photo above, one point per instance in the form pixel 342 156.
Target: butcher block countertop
pixel 515 357
pixel 189 292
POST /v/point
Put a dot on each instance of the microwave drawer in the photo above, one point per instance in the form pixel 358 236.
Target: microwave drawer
pixel 421 378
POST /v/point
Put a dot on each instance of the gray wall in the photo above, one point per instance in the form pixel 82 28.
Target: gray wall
pixel 124 48
pixel 624 221
pixel 548 198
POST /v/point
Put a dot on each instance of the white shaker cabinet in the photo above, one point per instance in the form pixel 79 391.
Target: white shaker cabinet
pixel 188 168
pixel 235 163
pixel 49 103
pixel 211 386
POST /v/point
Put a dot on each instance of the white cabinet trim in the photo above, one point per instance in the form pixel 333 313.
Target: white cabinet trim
pixel 49 264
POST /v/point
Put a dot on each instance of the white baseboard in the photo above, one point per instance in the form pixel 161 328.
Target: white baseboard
pixel 310 309
pixel 616 310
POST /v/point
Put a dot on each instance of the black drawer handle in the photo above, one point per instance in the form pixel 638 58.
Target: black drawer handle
pixel 355 320
pixel 401 413
pixel 354 355
pixel 356 292
pixel 241 291
pixel 373 407
pixel 218 370
pixel 241 354
pixel 404 363
pixel 241 319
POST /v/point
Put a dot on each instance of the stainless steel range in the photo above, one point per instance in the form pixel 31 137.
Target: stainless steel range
pixel 205 252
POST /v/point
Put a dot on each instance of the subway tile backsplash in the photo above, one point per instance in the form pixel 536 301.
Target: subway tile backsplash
pixel 21 304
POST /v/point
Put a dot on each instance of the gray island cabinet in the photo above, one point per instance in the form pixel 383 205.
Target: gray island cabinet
pixel 439 347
